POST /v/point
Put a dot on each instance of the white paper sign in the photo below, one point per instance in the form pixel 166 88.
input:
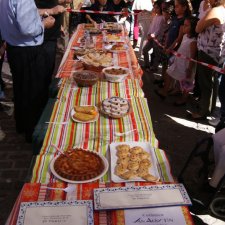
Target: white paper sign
pixel 155 216
pixel 140 197
pixel 56 213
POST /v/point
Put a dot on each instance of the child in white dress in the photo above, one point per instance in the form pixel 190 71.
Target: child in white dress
pixel 183 70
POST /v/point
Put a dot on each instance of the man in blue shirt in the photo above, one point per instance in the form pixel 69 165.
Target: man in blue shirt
pixel 23 30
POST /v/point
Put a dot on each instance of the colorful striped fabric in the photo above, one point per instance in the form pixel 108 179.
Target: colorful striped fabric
pixel 65 133
pixel 125 59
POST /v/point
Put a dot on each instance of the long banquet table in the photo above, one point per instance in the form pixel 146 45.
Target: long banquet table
pixel 66 134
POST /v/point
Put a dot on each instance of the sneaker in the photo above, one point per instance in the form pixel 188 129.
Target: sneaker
pixel 214 122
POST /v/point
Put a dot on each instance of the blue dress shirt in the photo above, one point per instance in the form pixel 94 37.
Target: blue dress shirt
pixel 20 23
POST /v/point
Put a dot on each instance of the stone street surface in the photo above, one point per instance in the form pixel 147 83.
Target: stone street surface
pixel 176 135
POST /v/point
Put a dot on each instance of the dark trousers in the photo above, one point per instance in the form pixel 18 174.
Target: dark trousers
pixel 2 84
pixel 50 50
pixel 30 85
pixel 208 83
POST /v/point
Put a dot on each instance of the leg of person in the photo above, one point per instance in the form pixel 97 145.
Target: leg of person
pixel 206 79
pixel 2 84
pixel 219 154
pixel 146 49
pixel 222 96
pixel 50 50
pixel 214 95
pixel 16 63
pixel 37 88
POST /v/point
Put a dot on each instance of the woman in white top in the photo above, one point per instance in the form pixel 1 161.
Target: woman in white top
pixel 211 50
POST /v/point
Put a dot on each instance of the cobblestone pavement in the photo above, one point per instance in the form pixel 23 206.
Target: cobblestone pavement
pixel 176 135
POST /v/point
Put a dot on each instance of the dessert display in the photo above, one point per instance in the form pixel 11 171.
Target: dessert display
pixel 94 31
pixel 115 107
pixel 85 78
pixel 133 162
pixel 89 26
pixel 119 47
pixel 79 165
pixel 113 38
pixel 115 73
pixel 84 113
pixel 97 59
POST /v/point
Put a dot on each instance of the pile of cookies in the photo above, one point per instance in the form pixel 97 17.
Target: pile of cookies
pixel 115 107
pixel 85 113
pixel 133 163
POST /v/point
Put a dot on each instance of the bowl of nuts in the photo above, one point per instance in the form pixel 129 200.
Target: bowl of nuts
pixel 85 78
pixel 115 73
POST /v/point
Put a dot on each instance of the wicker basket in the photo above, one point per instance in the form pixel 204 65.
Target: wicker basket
pixel 85 78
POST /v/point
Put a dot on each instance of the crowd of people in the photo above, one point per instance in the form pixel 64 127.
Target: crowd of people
pixel 199 36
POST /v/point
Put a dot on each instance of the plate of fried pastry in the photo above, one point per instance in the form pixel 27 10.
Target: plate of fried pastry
pixel 133 161
pixel 79 166
pixel 84 114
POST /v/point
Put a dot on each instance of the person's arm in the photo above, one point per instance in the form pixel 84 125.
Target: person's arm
pixel 52 11
pixel 193 51
pixel 28 18
pixel 212 17
pixel 90 19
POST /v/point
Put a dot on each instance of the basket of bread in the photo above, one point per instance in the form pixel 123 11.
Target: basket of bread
pixel 85 78
pixel 84 114
pixel 115 73
pixel 115 107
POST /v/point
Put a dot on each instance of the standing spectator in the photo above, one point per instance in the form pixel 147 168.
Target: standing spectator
pixel 138 6
pixel 105 5
pixel 22 29
pixel 182 70
pixel 175 31
pixel 211 41
pixel 155 30
pixel 52 8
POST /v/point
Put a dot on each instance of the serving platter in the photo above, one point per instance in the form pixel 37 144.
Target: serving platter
pixel 153 170
pixel 106 167
pixel 80 121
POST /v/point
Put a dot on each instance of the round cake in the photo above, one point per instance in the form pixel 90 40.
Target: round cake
pixel 79 165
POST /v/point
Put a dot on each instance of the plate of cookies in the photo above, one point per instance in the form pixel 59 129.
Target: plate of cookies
pixel 115 107
pixel 133 161
pixel 84 114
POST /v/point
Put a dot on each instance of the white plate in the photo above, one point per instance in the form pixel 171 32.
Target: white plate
pixel 79 121
pixel 146 146
pixel 120 39
pixel 109 48
pixel 106 167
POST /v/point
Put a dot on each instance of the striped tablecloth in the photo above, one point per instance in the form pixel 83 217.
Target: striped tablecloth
pixel 125 59
pixel 97 136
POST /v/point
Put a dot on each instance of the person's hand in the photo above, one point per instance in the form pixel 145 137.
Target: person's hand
pixel 48 22
pixel 57 10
